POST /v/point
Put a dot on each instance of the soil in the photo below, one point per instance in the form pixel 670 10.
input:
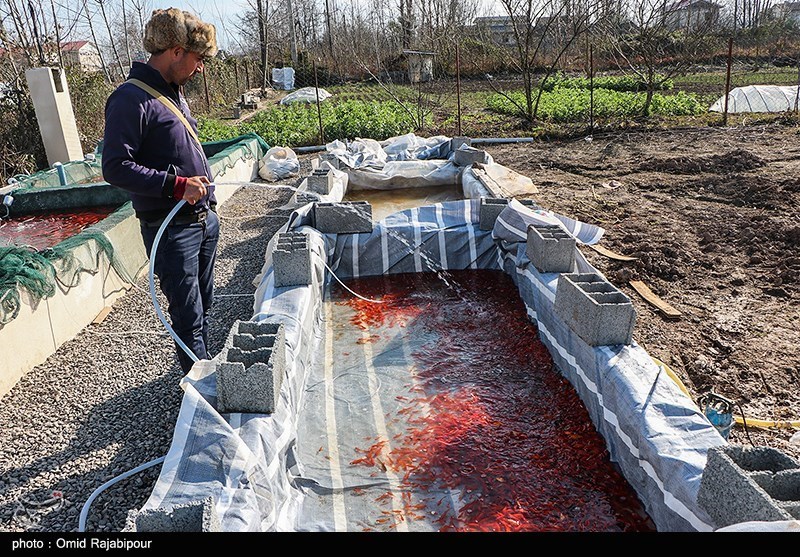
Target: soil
pixel 712 216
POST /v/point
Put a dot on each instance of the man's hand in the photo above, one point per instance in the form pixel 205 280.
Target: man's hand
pixel 196 189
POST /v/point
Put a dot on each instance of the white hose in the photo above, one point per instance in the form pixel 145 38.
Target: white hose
pixel 161 229
pixel 112 481
pixel 153 251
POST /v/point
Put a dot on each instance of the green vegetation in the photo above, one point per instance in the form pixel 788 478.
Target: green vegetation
pixel 297 124
pixel 574 105
pixel 612 83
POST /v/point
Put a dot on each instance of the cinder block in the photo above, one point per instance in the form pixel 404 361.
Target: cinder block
pixel 594 309
pixel 550 248
pixel 197 516
pixel 458 141
pixel 742 484
pixel 291 259
pixel 303 197
pixel 250 380
pixel 332 159
pixel 346 217
pixel 491 207
pixel 320 181
pixel 465 156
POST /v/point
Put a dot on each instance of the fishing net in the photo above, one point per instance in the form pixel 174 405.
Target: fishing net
pixel 39 272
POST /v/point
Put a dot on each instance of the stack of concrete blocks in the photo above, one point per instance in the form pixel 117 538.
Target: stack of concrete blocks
pixel 320 181
pixel 594 309
pixel 196 516
pixel 550 248
pixel 466 155
pixel 744 484
pixel 251 368
pixel 458 141
pixel 291 259
pixel 491 207
pixel 345 217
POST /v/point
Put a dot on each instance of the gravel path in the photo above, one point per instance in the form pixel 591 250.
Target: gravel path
pixel 107 400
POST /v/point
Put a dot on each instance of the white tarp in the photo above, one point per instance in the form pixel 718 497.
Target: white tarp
pixel 306 95
pixel 759 98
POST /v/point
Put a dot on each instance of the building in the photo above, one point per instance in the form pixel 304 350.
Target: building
pixel 499 29
pixel 81 54
pixel 787 11
pixel 691 15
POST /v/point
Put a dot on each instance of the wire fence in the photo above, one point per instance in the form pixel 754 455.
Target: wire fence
pixel 460 88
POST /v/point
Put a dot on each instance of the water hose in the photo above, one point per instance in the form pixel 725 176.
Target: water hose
pixel 153 297
pixel 112 481
pixel 153 251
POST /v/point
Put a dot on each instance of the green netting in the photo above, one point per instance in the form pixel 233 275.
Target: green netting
pixel 38 272
pixel 77 172
pixel 226 153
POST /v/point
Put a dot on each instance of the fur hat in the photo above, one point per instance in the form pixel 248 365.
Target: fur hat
pixel 173 27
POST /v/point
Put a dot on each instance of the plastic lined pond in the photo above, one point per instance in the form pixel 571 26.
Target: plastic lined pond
pixel 450 416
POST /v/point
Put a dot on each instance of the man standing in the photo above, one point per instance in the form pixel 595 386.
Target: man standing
pixel 150 149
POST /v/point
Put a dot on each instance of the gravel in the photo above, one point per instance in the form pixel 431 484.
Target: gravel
pixel 107 401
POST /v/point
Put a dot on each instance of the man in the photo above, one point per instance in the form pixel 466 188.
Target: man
pixel 150 149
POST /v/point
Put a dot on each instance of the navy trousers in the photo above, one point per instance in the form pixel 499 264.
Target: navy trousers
pixel 184 265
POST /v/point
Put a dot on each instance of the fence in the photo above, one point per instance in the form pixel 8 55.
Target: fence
pixel 465 87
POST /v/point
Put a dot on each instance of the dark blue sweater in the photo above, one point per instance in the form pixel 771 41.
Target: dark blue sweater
pixel 145 146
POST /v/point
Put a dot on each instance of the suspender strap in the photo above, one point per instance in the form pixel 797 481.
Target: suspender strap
pixel 169 104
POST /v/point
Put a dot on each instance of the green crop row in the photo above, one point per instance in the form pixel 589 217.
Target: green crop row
pixel 613 83
pixel 575 105
pixel 297 125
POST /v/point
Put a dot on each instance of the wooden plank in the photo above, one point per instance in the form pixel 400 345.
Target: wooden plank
pixel 102 315
pixel 611 254
pixel 502 181
pixel 663 307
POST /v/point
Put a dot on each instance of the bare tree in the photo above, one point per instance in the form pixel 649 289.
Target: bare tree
pixel 94 40
pixel 652 48
pixel 101 3
pixel 541 32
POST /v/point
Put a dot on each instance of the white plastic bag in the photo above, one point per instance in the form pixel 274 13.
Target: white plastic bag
pixel 278 163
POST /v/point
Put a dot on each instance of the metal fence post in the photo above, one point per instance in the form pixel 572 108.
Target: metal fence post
pixel 728 81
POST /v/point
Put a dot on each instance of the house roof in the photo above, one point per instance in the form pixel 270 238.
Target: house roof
pixel 73 46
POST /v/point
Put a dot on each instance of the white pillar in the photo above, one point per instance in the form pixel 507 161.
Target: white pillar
pixel 51 100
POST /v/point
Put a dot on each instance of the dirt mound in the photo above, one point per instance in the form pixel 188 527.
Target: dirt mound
pixel 738 160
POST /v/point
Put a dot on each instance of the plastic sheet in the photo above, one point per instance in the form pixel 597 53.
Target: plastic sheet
pixel 306 95
pixel 255 465
pixel 759 98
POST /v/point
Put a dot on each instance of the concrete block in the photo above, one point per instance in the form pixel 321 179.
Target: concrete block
pixel 491 207
pixel 742 484
pixel 304 197
pixel 465 156
pixel 458 141
pixel 332 159
pixel 291 259
pixel 250 380
pixel 320 181
pixel 346 217
pixel 550 248
pixel 594 309
pixel 197 516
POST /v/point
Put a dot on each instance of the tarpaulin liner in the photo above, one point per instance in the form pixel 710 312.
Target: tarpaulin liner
pixel 284 471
